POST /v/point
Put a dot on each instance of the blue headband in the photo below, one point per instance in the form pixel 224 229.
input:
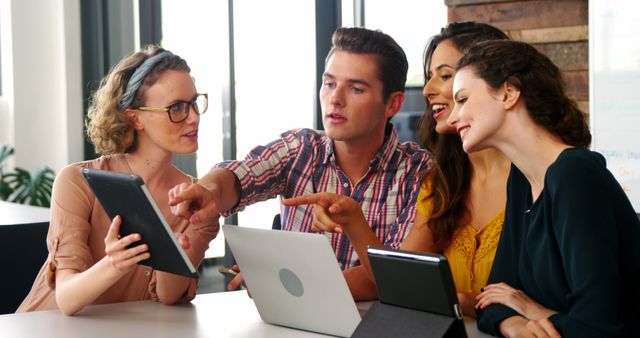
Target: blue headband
pixel 139 75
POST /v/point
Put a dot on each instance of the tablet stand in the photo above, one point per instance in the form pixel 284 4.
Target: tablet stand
pixel 384 320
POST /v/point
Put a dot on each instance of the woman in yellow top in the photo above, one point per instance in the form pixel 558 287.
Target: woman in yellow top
pixel 461 203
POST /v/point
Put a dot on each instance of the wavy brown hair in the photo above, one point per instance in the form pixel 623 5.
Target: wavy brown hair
pixel 107 126
pixel 540 82
pixel 450 177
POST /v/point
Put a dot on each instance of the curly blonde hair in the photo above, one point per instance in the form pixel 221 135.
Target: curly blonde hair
pixel 108 127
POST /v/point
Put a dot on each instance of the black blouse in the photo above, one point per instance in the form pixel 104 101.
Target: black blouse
pixel 575 250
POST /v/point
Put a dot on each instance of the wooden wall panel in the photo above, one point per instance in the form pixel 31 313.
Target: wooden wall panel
pixel 524 14
pixel 549 35
pixel 567 56
pixel 558 28
pixel 471 2
pixel 577 84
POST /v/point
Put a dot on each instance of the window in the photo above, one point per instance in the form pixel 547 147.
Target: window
pixel 411 23
pixel 275 80
pixel 196 30
pixel 1 22
pixel 274 76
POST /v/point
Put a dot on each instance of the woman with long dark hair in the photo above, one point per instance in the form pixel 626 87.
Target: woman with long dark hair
pixel 461 203
pixel 568 261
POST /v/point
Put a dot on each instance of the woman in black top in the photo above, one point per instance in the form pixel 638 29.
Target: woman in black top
pixel 568 261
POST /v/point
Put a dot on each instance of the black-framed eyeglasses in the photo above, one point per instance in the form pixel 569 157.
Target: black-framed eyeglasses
pixel 179 111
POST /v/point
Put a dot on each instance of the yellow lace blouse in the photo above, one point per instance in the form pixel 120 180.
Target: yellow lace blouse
pixel 471 251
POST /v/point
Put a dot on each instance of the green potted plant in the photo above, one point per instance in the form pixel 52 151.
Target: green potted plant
pixel 19 186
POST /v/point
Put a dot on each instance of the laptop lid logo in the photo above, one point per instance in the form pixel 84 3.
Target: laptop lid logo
pixel 291 282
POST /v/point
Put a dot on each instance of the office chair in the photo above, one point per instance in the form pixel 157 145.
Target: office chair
pixel 276 224
pixel 23 250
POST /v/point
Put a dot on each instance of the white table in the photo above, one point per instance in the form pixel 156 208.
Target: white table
pixel 224 314
pixel 14 213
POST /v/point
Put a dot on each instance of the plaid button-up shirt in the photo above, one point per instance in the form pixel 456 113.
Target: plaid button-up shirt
pixel 303 162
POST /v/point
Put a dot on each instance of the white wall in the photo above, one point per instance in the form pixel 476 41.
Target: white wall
pixel 42 75
pixel 6 105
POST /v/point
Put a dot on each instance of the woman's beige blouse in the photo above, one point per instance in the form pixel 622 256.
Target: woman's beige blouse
pixel 76 235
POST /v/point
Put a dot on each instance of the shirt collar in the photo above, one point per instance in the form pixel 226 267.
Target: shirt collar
pixel 383 157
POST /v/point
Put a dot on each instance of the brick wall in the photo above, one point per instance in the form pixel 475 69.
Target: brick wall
pixel 557 28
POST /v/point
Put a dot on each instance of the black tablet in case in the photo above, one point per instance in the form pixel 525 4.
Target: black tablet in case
pixel 417 297
pixel 419 281
pixel 126 195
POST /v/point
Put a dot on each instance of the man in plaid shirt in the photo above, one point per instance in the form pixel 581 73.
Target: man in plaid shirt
pixel 358 155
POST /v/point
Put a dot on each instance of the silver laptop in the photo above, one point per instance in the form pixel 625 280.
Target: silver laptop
pixel 294 279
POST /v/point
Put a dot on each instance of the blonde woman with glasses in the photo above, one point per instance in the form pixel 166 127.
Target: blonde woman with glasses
pixel 146 109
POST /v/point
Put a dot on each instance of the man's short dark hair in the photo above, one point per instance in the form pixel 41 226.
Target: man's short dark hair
pixel 392 61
